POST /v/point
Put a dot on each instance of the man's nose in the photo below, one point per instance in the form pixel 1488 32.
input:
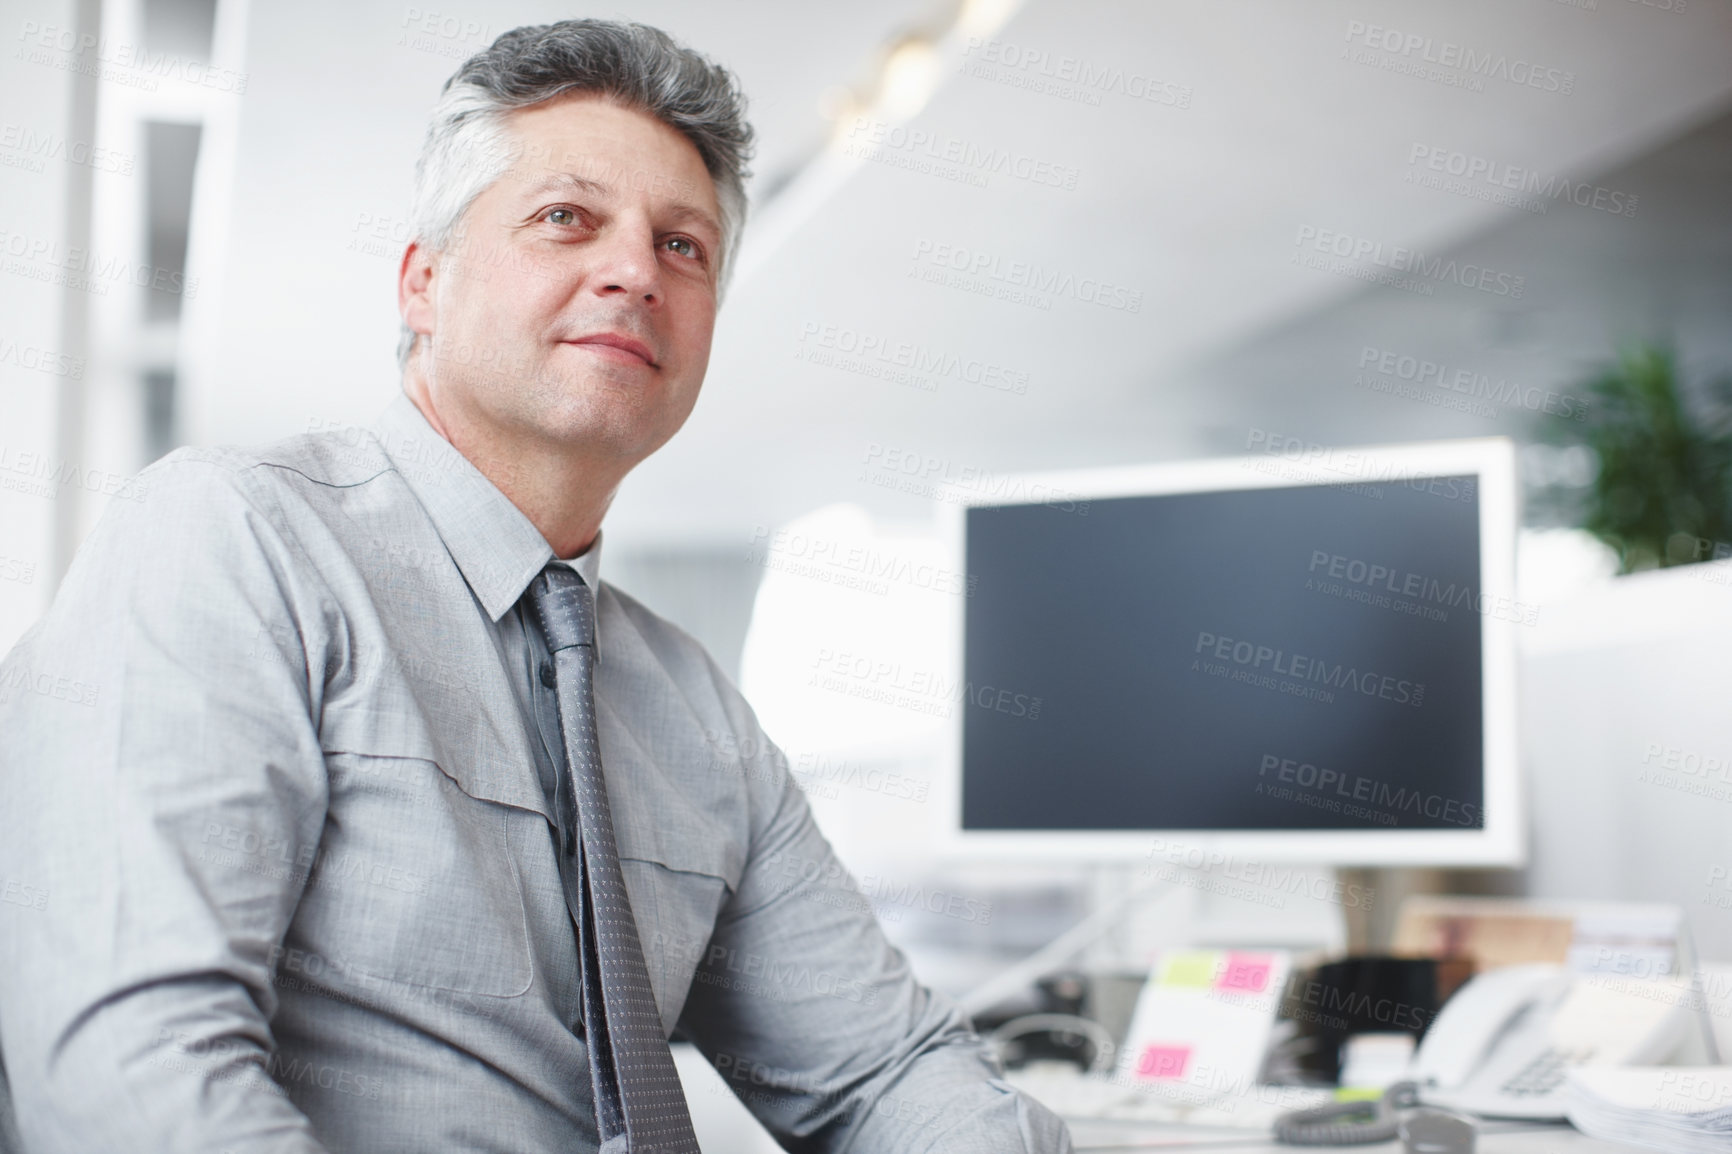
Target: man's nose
pixel 626 265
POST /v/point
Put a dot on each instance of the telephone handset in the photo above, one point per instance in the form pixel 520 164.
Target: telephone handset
pixel 1503 1046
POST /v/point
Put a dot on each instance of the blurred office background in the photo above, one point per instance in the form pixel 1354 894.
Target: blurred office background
pixel 202 209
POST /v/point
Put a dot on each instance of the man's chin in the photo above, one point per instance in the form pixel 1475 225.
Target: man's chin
pixel 612 436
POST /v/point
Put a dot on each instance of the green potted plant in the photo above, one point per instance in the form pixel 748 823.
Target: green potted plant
pixel 1662 494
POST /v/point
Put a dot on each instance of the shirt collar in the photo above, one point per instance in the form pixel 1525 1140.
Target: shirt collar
pixel 497 549
pixel 587 563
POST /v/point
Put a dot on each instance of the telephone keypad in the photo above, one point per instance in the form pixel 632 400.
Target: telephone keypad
pixel 1546 1072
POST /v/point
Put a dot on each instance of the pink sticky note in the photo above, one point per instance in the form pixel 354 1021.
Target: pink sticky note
pixel 1249 972
pixel 1163 1061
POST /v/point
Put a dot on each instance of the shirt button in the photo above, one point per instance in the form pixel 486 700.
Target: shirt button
pixel 547 674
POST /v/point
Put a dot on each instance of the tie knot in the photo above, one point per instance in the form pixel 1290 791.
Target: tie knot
pixel 564 607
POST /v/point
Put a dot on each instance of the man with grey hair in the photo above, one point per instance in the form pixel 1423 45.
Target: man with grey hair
pixel 346 809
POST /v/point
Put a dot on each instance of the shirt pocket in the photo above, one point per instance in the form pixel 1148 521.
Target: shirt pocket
pixel 675 907
pixel 413 883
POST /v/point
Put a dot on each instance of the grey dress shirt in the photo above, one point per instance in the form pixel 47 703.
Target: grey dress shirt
pixel 278 863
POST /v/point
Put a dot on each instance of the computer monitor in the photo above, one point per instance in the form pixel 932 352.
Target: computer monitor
pixel 1305 655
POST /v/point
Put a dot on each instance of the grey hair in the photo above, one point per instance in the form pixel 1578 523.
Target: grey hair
pixel 468 146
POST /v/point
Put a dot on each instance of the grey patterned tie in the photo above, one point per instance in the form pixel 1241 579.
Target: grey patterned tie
pixel 639 1106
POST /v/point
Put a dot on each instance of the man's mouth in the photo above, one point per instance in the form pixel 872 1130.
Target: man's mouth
pixel 617 346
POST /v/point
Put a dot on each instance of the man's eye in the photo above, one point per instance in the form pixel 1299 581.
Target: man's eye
pixel 561 216
pixel 685 246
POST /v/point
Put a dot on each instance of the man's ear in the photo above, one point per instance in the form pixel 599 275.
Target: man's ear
pixel 415 288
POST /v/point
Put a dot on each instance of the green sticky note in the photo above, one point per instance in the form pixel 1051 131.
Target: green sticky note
pixel 1359 1094
pixel 1191 968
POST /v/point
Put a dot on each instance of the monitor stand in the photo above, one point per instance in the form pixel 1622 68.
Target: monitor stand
pixel 1232 904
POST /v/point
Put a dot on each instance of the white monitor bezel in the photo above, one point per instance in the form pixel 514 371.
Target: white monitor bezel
pixel 1492 460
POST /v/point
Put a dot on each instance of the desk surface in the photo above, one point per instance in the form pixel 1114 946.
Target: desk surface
pixel 1092 1135
pixel 1240 1123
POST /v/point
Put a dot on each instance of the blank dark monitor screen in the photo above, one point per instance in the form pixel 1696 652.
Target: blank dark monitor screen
pixel 1294 658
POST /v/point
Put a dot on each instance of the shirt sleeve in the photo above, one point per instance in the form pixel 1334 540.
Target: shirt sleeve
pixel 816 1021
pixel 161 784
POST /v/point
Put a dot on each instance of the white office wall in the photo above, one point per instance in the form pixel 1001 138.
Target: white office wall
pixel 1627 716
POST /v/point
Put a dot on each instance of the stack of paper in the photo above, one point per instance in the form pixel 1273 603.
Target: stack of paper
pixel 1681 1108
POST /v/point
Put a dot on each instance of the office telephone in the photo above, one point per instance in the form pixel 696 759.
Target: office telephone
pixel 1503 1046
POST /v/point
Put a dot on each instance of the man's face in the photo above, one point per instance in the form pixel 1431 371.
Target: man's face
pixel 576 303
